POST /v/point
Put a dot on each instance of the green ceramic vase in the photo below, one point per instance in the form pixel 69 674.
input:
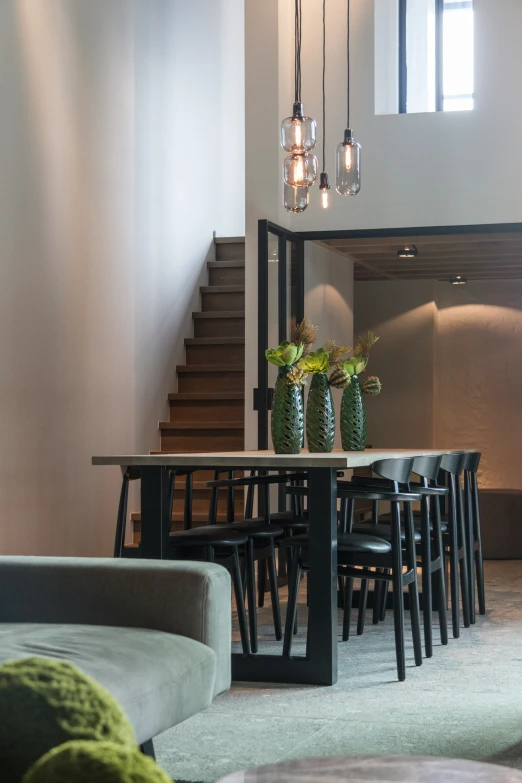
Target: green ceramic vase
pixel 320 415
pixel 353 417
pixel 287 422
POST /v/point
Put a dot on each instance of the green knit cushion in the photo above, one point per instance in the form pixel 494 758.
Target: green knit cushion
pixel 82 761
pixel 44 703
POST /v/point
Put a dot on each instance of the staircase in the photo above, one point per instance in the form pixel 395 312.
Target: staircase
pixel 207 411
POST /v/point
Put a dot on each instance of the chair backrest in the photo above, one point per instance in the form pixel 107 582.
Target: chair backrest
pixel 427 467
pixel 453 463
pixel 472 461
pixel 398 470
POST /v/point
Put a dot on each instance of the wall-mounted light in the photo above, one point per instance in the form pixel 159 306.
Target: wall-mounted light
pixel 410 251
pixel 458 280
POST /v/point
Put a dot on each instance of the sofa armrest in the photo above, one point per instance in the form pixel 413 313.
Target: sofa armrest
pixel 191 599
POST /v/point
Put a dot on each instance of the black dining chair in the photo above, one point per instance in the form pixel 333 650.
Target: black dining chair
pixel 358 560
pixel 455 540
pixel 215 544
pixel 474 537
pixel 430 550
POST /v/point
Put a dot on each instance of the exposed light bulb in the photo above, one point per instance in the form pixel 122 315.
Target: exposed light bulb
pixel 348 166
pixel 324 189
pixel 348 157
pixel 300 171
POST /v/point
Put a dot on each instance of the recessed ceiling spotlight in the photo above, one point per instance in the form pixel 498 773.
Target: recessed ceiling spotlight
pixel 410 251
pixel 458 280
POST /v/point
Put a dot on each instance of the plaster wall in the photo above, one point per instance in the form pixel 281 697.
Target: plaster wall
pixel 449 360
pixel 105 226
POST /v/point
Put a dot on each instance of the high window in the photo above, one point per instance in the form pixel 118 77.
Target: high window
pixel 423 55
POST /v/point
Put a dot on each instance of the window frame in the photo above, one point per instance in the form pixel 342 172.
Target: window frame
pixel 439 52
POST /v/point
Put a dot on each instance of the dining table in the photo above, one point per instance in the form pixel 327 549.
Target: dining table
pixel 319 665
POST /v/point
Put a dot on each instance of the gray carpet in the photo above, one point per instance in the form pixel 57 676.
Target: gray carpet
pixel 465 702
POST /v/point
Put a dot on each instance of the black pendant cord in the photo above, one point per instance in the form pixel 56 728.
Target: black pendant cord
pixel 298 40
pixel 348 66
pixel 324 85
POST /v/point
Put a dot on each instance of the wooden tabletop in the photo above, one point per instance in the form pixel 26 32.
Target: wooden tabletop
pixel 267 459
pixel 377 769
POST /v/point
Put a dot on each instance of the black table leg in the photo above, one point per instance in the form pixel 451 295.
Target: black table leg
pixel 155 512
pixel 319 667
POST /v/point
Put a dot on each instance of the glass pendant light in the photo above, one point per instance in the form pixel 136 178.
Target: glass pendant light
pixel 324 187
pixel 300 171
pixel 348 157
pixel 298 137
pixel 295 199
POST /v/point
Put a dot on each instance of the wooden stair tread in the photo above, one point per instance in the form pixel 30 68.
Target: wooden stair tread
pixel 202 425
pixel 214 340
pixel 219 314
pixel 229 240
pixel 203 396
pixel 187 368
pixel 222 289
pixel 234 263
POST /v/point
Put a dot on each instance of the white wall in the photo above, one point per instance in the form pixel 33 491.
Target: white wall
pixel 103 238
pixel 329 304
pixel 450 362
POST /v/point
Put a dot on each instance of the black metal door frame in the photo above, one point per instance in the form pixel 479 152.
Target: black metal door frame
pixel 263 394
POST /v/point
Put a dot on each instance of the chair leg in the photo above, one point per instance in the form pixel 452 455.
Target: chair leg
pixel 261 582
pixel 470 543
pixel 384 598
pixel 398 603
pixel 251 594
pixel 363 601
pixel 479 562
pixel 377 590
pixel 347 613
pixel 274 592
pixel 454 560
pixel 413 587
pixel 463 555
pixel 426 577
pixel 240 603
pixel 439 575
pixel 291 609
pixel 147 748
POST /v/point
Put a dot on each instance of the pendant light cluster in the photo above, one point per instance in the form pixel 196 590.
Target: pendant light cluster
pixel 298 137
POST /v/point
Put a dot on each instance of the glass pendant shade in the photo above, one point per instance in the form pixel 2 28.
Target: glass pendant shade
pixel 348 166
pixel 298 133
pixel 300 171
pixel 295 199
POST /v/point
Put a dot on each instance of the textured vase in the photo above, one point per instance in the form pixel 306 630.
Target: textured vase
pixel 353 417
pixel 320 415
pixel 287 422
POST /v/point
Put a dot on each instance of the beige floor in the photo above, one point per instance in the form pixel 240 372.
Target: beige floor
pixel 465 702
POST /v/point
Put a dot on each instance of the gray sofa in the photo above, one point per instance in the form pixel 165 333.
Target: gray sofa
pixel 155 634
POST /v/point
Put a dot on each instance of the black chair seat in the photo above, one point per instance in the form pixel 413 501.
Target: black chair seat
pixel 210 535
pixel 381 531
pixel 351 491
pixel 285 520
pixel 346 542
pixel 256 529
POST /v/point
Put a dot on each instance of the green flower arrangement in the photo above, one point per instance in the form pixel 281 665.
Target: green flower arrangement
pixel 315 362
pixel 346 376
pixel 285 355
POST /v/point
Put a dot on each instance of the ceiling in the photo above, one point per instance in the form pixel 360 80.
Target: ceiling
pixel 474 256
